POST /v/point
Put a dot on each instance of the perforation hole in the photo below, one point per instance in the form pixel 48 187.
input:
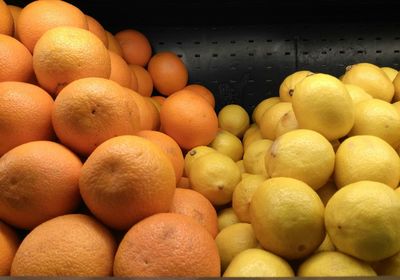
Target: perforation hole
pixel 305 53
pixel 378 51
pixel 396 51
pixel 161 43
pixel 341 39
pixel 287 53
pixel 397 38
pixel 232 54
pixel 288 40
pixel 197 43
pixel 360 39
pixel 197 55
pixel 251 41
pixel 179 43
pixel 214 55
pixel 360 51
pixel 378 38
pixel 233 42
pixel 179 55
pixel 269 40
pixel 251 54
pixel 341 52
pixel 323 52
pixel 268 53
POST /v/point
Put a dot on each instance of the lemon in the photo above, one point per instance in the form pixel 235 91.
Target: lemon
pixel 271 118
pixel 397 106
pixel 326 245
pixel 240 164
pixel 258 263
pixel 389 266
pixel 254 136
pixel 242 195
pixel 362 220
pixel 228 144
pixel 234 118
pixel 334 264
pixel 327 191
pixel 286 88
pixel 390 72
pixel 371 78
pixel 215 176
pixel 379 118
pixel 396 84
pixel 321 103
pixel 252 128
pixel 357 94
pixel 302 154
pixel 226 217
pixel 262 107
pixel 194 154
pixel 366 157
pixel 234 239
pixel 286 123
pixel 253 157
pixel 287 217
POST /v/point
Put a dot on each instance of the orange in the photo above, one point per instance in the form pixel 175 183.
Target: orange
pixel 91 110
pixel 120 71
pixel 167 244
pixel 16 60
pixel 38 181
pixel 169 146
pixel 203 91
pixel 147 118
pixel 15 12
pixel 25 114
pixel 113 44
pixel 158 98
pixel 6 19
pixel 189 119
pixel 193 204
pixel 168 72
pixel 135 46
pixel 96 28
pixel 9 242
pixel 144 81
pixel 65 54
pixel 126 179
pixel 69 245
pixel 39 16
pixel 134 81
pixel 155 113
pixel 183 183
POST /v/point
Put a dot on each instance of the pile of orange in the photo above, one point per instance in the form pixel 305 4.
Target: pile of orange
pixel 94 128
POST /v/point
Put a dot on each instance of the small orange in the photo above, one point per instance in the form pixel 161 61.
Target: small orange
pixel 189 119
pixel 9 242
pixel 68 245
pixel 169 146
pixel 16 60
pixel 25 114
pixel 15 12
pixel 144 81
pixel 135 46
pixel 38 181
pixel 134 81
pixel 126 179
pixel 6 20
pixel 96 28
pixel 91 110
pixel 65 54
pixel 168 72
pixel 39 16
pixel 193 204
pixel 146 113
pixel 120 71
pixel 113 44
pixel 203 91
pixel 167 244
pixel 155 113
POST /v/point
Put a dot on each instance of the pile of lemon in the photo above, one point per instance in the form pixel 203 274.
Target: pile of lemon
pixel 310 186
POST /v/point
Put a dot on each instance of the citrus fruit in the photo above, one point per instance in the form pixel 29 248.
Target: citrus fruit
pixel 357 94
pixel 271 117
pixel 228 144
pixel 135 46
pixel 286 123
pixel 202 91
pixel 227 217
pixel 6 22
pixel 113 44
pixel 390 72
pixel 262 107
pixel 9 242
pixel 234 119
pixel 120 71
pixel 97 29
pixel 144 81
pixel 254 157
pixel 194 154
pixel 286 88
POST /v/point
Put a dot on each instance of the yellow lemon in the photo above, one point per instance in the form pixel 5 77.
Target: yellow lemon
pixel 286 123
pixel 262 107
pixel 234 239
pixel 242 195
pixel 228 144
pixel 326 245
pixel 257 262
pixel 327 191
pixel 334 264
pixel 215 176
pixel 254 136
pixel 253 157
pixel 302 154
pixel 379 118
pixel 287 216
pixel 396 84
pixel 240 164
pixel 362 220
pixel 286 88
pixel 194 154
pixel 366 157
pixel 271 118
pixel 390 72
pixel 397 106
pixel 252 128
pixel 234 118
pixel 322 103
pixel 226 217
pixel 370 78
pixel 357 94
